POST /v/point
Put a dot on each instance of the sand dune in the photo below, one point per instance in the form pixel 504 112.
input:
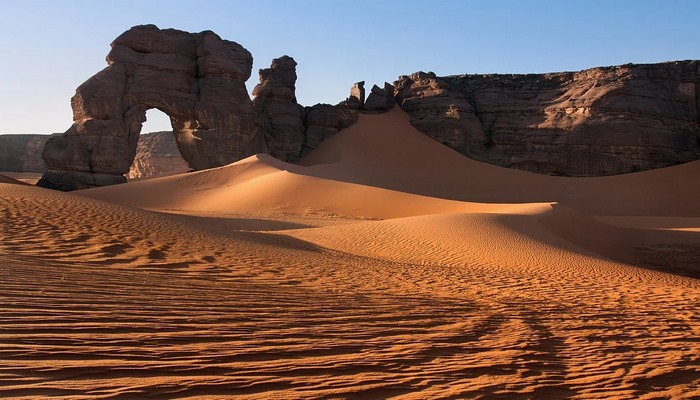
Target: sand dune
pixel 372 271
pixel 27 177
pixel 261 184
pixel 367 153
pixel 7 179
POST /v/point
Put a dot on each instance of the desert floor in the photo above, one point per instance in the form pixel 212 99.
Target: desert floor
pixel 384 266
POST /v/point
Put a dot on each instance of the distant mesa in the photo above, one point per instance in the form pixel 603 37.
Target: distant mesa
pixel 599 121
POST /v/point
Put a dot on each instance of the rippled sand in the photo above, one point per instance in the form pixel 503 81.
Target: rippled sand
pixel 365 274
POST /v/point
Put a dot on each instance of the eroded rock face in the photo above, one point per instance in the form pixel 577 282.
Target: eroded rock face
pixel 599 121
pixel 356 99
pixel 22 153
pixel 380 100
pixel 197 79
pixel 280 119
pixel 324 120
pixel 156 154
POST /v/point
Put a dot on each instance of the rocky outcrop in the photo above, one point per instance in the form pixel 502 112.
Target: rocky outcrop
pixel 324 120
pixel 280 119
pixel 22 153
pixel 380 100
pixel 357 96
pixel 156 154
pixel 197 79
pixel 599 121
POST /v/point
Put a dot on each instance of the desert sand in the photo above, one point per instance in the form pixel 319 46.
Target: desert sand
pixel 19 177
pixel 372 270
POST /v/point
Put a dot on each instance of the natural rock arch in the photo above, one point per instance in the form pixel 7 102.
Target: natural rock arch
pixel 197 79
pixel 600 121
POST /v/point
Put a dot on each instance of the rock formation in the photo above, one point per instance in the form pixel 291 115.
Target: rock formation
pixel 380 100
pixel 197 79
pixel 156 154
pixel 357 95
pixel 599 121
pixel 280 119
pixel 22 153
pixel 324 120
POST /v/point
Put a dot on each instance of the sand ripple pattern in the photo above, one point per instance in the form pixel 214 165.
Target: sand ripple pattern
pixel 145 306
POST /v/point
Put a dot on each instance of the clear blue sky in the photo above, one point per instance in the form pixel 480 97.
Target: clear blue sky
pixel 50 47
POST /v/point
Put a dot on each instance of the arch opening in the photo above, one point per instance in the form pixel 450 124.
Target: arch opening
pixel 157 153
pixel 156 121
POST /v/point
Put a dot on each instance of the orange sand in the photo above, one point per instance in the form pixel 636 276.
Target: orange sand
pixel 27 177
pixel 7 179
pixel 386 266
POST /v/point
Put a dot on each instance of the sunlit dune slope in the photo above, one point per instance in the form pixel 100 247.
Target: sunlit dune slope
pixel 386 151
pixel 350 172
pixel 349 175
pixel 540 238
pixel 7 179
pixel 40 223
pixel 262 184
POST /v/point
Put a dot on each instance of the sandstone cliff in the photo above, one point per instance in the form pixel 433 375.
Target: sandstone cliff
pixel 599 121
pixel 22 153
pixel 280 119
pixel 156 155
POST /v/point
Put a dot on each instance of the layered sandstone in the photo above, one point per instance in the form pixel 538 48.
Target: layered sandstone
pixel 280 119
pixel 22 153
pixel 156 155
pixel 600 121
